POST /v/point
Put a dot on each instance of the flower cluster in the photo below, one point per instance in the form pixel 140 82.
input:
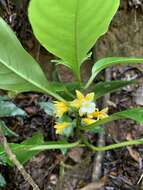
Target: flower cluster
pixel 86 108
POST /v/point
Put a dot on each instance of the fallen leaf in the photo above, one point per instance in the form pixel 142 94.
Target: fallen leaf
pixel 133 153
pixel 94 185
pixel 75 154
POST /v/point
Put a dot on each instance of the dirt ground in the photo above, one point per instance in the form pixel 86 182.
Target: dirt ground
pixel 121 168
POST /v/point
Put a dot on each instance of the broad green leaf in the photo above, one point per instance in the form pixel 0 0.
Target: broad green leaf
pixel 36 139
pixel 69 28
pixel 32 146
pixel 73 86
pixel 134 114
pixel 8 108
pixel 6 130
pixel 57 86
pixel 19 72
pixel 69 90
pixel 48 107
pixel 103 88
pixel 111 61
pixel 21 151
pixel 2 181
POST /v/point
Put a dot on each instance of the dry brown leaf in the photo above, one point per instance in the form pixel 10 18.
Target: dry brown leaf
pixel 133 153
pixel 75 154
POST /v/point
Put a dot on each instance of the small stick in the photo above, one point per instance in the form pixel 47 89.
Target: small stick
pixel 97 165
pixel 12 157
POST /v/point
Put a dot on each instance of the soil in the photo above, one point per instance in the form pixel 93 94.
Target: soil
pixel 121 168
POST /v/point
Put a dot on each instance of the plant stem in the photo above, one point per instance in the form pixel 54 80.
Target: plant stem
pixel 78 124
pixel 99 157
pixel 88 82
pixel 69 93
pixel 113 146
pixel 12 157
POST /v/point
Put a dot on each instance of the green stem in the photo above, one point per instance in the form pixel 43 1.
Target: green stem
pixel 88 83
pixel 53 146
pixel 59 98
pixel 69 93
pixel 113 146
pixel 78 124
pixel 75 144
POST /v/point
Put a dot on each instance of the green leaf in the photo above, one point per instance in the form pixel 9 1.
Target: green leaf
pixel 111 61
pixel 32 146
pixel 37 138
pixel 73 86
pixel 103 88
pixel 69 89
pixel 3 160
pixel 64 151
pixel 48 107
pixel 69 130
pixel 4 98
pixel 57 86
pixel 2 181
pixel 7 109
pixel 6 130
pixel 97 130
pixel 64 118
pixel 21 151
pixel 134 114
pixel 69 28
pixel 26 155
pixel 19 72
pixel 72 124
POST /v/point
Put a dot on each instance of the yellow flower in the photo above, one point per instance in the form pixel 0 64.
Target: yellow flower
pixel 60 127
pixel 78 101
pixel 60 108
pixel 99 114
pixel 85 104
pixel 87 108
pixel 88 121
pixel 81 98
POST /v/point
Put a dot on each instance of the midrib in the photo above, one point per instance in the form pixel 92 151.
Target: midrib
pixel 28 80
pixel 76 36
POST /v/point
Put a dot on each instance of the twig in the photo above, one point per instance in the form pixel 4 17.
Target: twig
pixel 97 165
pixel 8 7
pixel 12 157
